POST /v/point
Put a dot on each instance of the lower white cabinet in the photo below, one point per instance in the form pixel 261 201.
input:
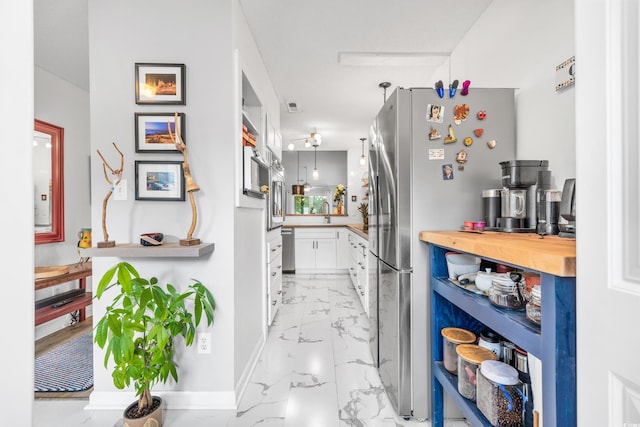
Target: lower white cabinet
pixel 274 275
pixel 359 268
pixel 316 250
pixel 343 250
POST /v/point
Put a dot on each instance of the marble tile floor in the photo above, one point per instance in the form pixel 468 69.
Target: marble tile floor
pixel 316 370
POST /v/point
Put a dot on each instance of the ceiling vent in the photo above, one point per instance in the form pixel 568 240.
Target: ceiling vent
pixel 292 107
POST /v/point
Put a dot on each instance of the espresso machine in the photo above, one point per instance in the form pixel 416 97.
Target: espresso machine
pixel 521 180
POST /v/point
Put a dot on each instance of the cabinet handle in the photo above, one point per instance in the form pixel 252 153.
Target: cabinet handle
pixel 279 246
pixel 362 293
pixel 274 274
pixel 279 266
pixel 273 250
pixel 274 302
pixel 279 292
pixel 362 267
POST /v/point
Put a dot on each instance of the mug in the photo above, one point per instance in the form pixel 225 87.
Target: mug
pixel 85 238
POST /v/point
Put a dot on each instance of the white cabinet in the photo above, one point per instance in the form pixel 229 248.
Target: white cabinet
pixel 316 250
pixel 359 268
pixel 343 250
pixel 274 275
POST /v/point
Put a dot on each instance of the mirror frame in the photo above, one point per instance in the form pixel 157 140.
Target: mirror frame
pixel 57 183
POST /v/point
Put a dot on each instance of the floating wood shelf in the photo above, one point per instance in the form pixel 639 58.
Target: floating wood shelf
pixel 166 250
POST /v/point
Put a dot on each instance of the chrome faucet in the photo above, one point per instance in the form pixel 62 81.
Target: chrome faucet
pixel 327 216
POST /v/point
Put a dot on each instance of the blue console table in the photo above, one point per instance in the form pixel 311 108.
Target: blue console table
pixel 554 343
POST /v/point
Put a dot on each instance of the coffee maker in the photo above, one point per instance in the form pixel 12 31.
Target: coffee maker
pixel 520 181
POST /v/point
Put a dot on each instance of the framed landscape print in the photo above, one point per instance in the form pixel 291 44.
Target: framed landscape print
pixel 158 180
pixel 162 84
pixel 152 132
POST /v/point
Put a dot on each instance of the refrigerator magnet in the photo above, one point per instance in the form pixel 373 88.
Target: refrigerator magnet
pixel 434 134
pixel 447 172
pixel 435 113
pixel 460 113
pixel 461 158
pixel 451 137
pixel 436 153
pixel 468 141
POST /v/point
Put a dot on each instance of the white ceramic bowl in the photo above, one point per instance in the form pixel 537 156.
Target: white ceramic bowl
pixel 458 264
pixel 483 279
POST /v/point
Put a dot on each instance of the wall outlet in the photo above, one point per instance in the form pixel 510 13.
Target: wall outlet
pixel 204 342
pixel 120 191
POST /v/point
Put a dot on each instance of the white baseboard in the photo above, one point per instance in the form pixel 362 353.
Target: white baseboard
pixel 225 400
pixel 241 386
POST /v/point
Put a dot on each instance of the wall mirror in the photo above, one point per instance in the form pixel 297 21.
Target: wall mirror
pixel 48 182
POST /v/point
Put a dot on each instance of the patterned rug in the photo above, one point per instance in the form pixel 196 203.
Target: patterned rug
pixel 68 367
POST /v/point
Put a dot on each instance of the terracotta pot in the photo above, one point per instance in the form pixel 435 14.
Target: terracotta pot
pixel 154 419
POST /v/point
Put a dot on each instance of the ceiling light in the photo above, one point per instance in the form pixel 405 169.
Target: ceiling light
pixel 316 174
pixel 363 160
pixel 306 184
pixel 314 138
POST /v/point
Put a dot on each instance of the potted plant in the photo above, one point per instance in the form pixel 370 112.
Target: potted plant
pixel 337 198
pixel 139 329
pixel 364 210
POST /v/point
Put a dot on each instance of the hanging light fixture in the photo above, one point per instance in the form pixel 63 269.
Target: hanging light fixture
pixel 297 189
pixel 363 161
pixel 306 185
pixel 316 174
pixel 314 138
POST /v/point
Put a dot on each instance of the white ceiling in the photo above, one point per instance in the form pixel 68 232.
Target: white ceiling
pixel 301 43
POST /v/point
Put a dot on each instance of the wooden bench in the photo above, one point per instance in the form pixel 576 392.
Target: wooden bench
pixel 77 271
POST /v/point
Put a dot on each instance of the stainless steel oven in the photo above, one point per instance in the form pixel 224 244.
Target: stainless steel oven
pixel 275 199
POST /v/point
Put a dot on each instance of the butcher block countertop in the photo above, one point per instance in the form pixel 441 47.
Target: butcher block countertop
pixel 551 254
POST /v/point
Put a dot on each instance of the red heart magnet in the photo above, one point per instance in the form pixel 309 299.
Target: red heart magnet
pixel 478 132
pixel 482 115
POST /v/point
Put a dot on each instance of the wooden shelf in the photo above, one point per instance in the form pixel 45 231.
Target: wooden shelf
pixel 166 250
pixel 45 314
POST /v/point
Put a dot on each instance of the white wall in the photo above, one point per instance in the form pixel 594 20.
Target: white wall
pixel 198 34
pixel 16 215
pixel 60 103
pixel 249 223
pixel 518 44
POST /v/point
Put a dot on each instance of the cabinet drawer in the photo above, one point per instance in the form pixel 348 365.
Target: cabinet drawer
pixel 316 233
pixel 274 249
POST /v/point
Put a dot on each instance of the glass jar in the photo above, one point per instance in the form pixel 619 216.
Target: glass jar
pixel 469 358
pixel 500 396
pixel 452 337
pixel 534 306
pixel 506 293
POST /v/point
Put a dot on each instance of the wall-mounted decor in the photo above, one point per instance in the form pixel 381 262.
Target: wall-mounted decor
pixel 152 132
pixel 566 73
pixel 158 180
pixel 163 84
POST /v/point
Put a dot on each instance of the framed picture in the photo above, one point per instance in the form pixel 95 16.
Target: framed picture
pixel 162 84
pixel 152 132
pixel 158 180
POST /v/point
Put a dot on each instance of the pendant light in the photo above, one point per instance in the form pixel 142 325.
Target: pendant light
pixel 316 174
pixel 297 189
pixel 306 184
pixel 363 161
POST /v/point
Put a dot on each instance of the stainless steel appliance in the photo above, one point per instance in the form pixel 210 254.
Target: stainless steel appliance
pixel 255 172
pixel 568 209
pixel 518 197
pixel 276 196
pixel 409 191
pixel 288 250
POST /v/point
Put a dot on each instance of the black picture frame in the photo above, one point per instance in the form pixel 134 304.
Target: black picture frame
pixel 159 180
pixel 160 84
pixel 152 134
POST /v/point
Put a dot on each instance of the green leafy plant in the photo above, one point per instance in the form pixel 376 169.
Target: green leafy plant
pixel 140 325
pixel 364 210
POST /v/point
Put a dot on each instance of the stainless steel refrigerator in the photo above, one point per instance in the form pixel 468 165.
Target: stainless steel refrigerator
pixel 416 183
